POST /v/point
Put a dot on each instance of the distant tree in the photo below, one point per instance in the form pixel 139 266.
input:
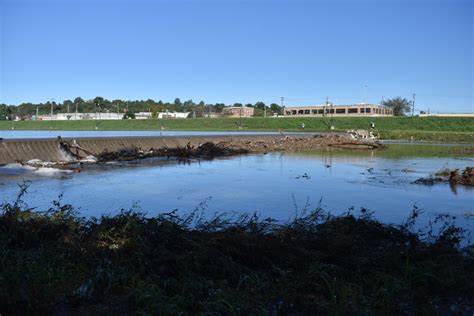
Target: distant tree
pixel 239 105
pixel 128 115
pixel 260 105
pixel 4 112
pixel 155 112
pixel 218 107
pixel 68 105
pixel 99 100
pixel 275 108
pixel 78 100
pixel 188 106
pixel 399 105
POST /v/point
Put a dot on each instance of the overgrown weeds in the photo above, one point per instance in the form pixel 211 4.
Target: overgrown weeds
pixel 56 261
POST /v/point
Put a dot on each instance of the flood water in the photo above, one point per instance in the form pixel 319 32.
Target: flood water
pixel 275 185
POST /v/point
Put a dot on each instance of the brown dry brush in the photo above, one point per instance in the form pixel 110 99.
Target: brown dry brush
pixel 454 177
pixel 207 150
pixel 58 262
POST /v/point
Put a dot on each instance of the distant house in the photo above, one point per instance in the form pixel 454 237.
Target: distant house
pixel 234 111
pixel 173 115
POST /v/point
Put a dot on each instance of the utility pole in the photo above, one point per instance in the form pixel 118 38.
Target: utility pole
pixel 282 107
pixel 413 105
pixel 365 94
pixel 240 121
pixel 51 114
pixel 264 109
pixel 325 108
pixel 37 111
pixel 75 116
pixel 99 109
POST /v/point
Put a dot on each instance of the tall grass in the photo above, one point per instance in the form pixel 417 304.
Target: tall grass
pixel 55 261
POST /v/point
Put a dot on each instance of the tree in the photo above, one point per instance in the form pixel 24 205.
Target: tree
pixel 275 108
pixel 260 105
pixel 399 105
pixel 99 100
pixel 78 100
pixel 4 112
pixel 128 115
pixel 68 104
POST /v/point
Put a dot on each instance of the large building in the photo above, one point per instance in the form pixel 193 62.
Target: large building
pixel 340 110
pixel 236 111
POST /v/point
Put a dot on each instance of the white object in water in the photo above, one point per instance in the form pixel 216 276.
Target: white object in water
pixel 89 159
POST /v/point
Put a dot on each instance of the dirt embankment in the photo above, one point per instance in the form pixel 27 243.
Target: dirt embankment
pixel 232 147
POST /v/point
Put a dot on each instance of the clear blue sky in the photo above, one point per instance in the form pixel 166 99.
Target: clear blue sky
pixel 239 51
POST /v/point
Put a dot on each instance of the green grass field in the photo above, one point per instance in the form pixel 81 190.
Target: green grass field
pixel 418 128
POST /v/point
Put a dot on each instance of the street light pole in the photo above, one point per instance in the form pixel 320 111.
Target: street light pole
pixel 51 114
pixel 365 94
pixel 240 121
pixel 282 107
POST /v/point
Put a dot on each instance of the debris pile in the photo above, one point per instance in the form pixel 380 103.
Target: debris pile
pixel 207 150
pixel 362 134
pixel 75 155
pixel 465 177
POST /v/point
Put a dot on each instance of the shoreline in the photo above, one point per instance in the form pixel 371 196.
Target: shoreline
pixel 57 261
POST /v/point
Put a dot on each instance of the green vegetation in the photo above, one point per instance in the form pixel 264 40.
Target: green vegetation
pixel 399 105
pixel 459 129
pixel 100 104
pixel 57 262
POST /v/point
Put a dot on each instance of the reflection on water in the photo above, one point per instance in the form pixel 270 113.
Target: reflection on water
pixel 274 184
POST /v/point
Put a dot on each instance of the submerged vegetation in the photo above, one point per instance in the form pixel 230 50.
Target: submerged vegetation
pixel 56 261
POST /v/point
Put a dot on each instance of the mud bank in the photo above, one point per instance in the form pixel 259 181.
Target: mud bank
pixel 76 152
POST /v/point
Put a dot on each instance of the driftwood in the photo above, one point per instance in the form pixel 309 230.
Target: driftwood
pixel 73 149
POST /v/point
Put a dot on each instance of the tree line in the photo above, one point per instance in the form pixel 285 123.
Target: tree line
pixel 100 104
pixel 400 107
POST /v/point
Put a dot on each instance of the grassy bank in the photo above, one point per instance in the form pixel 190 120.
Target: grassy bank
pixel 420 128
pixel 56 262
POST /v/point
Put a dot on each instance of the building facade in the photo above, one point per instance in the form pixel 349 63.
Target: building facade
pixel 340 110
pixel 234 111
